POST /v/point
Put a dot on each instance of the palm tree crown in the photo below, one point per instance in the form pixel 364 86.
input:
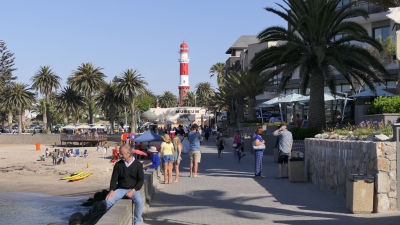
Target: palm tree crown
pixel 69 100
pixel 310 46
pixel 45 80
pixel 168 100
pixel 87 79
pixel 130 84
pixel 218 69
pixel 204 92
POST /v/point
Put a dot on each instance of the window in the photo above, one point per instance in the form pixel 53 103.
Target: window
pixel 342 3
pixel 383 32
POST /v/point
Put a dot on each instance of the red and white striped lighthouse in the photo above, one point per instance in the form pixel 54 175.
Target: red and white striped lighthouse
pixel 184 86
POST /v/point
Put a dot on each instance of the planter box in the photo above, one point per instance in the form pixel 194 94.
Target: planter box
pixel 392 117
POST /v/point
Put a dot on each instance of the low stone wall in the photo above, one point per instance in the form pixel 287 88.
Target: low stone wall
pixel 122 211
pixel 328 162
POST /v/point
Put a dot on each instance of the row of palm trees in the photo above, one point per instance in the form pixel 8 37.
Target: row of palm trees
pixel 310 48
pixel 87 94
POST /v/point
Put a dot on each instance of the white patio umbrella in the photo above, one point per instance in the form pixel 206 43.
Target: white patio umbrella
pixel 284 99
pixel 327 97
pixel 369 93
pixel 70 127
pixel 82 127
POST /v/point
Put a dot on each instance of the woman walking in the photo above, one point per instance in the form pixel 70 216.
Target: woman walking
pixel 167 149
pixel 236 144
pixel 220 146
pixel 177 156
pixel 259 147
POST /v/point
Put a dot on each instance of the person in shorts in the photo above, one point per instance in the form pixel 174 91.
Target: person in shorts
pixel 167 149
pixel 195 138
pixel 285 148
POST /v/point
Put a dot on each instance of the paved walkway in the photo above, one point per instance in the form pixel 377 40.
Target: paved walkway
pixel 227 193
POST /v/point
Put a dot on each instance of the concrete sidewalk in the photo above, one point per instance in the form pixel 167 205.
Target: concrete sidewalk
pixel 227 193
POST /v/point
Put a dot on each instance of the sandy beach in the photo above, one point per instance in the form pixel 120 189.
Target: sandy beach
pixel 22 171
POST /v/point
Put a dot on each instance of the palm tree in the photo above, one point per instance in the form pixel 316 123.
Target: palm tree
pixel 69 100
pixel 249 85
pixel 204 93
pixel 110 102
pixel 19 96
pixel 189 99
pixel 87 79
pixel 45 80
pixel 218 69
pixel 167 100
pixel 130 84
pixel 309 46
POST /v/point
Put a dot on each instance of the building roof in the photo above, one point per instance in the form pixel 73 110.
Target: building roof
pixel 243 42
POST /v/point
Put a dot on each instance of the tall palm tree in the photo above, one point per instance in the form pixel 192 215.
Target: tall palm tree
pixel 110 102
pixel 167 100
pixel 130 84
pixel 87 79
pixel 189 99
pixel 249 85
pixel 218 69
pixel 204 92
pixel 70 101
pixel 45 80
pixel 309 45
pixel 19 96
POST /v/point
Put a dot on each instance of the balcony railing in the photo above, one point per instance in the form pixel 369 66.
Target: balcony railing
pixel 369 7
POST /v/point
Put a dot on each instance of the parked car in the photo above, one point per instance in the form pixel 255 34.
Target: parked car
pixel 15 127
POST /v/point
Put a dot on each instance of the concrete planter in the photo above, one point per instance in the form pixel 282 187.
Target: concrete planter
pixel 392 117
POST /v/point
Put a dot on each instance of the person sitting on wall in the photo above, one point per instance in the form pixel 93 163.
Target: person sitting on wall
pixel 155 161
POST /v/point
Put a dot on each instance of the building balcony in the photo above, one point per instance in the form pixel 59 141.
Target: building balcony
pixel 369 7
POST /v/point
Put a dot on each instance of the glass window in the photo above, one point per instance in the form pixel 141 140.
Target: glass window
pixel 343 2
pixel 383 32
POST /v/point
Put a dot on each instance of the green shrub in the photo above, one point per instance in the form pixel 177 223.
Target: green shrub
pixel 385 105
pixel 302 133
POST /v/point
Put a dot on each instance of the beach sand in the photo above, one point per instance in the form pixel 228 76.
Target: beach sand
pixel 21 171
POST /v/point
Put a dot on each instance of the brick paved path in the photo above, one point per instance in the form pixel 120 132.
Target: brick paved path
pixel 227 193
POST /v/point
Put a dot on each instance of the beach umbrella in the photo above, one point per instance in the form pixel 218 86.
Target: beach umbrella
pixel 327 97
pixel 68 127
pixel 369 93
pixel 138 152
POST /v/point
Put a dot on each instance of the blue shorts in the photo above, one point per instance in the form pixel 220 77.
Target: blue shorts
pixel 168 158
pixel 239 154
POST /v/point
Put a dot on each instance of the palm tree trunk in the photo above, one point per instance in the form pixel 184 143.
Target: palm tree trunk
pixel 133 122
pixel 69 116
pixel 23 120
pixel 47 125
pixel 10 115
pixel 112 118
pixel 90 108
pixel 317 104
pixel 240 110
pixel 45 116
pixel 19 121
pixel 232 116
pixel 251 111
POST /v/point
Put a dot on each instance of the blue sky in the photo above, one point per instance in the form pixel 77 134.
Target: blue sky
pixel 119 35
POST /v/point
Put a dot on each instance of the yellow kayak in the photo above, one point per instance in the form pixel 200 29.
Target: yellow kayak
pixel 84 175
pixel 72 176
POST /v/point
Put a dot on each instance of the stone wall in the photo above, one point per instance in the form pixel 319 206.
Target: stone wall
pixel 328 162
pixel 122 211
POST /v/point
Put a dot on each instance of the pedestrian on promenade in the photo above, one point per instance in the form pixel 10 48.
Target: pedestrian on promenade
pixel 259 147
pixel 284 148
pixel 195 155
pixel 177 156
pixel 298 121
pixel 237 142
pixel 126 181
pixel 167 149
pixel 220 145
pixel 304 124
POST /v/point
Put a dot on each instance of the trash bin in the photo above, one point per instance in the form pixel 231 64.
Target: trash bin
pixel 37 146
pixel 296 169
pixel 360 193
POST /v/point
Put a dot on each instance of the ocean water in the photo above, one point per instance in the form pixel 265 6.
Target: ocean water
pixel 34 208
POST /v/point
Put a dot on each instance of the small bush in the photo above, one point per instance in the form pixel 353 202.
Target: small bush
pixel 385 105
pixel 302 133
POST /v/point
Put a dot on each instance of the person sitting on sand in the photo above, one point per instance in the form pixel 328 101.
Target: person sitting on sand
pixel 47 152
